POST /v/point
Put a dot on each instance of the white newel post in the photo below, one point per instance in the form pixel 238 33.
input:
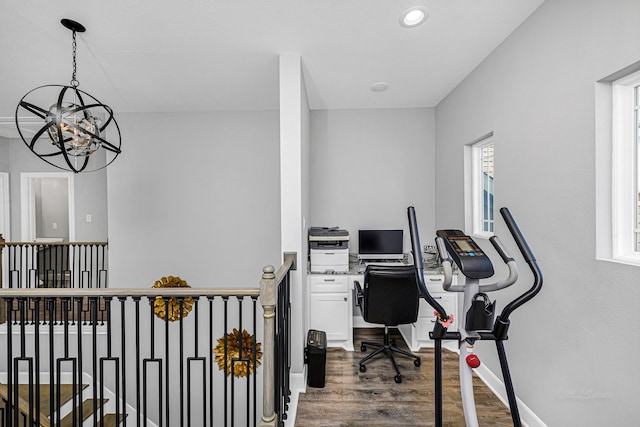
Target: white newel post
pixel 268 302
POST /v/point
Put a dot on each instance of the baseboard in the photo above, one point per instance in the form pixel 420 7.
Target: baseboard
pixel 496 385
pixel 297 383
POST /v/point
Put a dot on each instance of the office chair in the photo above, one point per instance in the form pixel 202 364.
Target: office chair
pixel 389 297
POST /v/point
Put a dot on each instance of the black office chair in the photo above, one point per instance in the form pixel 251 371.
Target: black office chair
pixel 389 297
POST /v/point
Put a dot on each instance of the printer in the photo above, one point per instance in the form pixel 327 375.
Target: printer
pixel 329 250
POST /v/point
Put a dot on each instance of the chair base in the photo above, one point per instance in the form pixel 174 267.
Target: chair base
pixel 388 348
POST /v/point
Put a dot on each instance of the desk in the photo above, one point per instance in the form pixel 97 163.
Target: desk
pixel 332 309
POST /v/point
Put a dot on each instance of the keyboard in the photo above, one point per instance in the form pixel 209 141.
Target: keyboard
pixel 386 263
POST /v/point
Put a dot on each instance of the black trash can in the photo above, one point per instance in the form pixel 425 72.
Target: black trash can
pixel 315 356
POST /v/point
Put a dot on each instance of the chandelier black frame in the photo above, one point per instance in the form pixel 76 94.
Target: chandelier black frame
pixel 73 135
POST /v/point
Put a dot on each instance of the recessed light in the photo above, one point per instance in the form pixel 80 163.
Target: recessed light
pixel 380 86
pixel 414 16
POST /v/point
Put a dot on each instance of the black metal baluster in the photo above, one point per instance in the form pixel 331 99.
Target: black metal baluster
pixel 136 301
pixel 152 359
pixel 79 303
pixel 254 359
pixel 107 301
pixel 66 270
pixel 211 361
pixel 51 303
pixel 102 271
pixel 77 275
pixel 87 265
pixel 91 265
pixel 36 332
pixel 123 353
pixel 55 249
pixel 93 309
pixel 226 355
pixel 166 360
pixel 65 323
pixel 196 358
pixel 23 357
pixel 243 359
pixel 10 408
pixel 181 349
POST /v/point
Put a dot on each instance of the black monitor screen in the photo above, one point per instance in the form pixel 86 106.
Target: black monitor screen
pixel 380 244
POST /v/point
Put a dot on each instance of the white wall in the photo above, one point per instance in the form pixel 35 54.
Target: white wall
pixel 573 348
pixel 294 178
pixel 90 192
pixel 368 166
pixel 196 196
pixel 4 154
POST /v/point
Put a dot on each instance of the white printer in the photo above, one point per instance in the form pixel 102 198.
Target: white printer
pixel 329 250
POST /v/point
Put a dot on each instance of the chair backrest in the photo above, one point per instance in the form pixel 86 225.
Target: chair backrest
pixel 390 295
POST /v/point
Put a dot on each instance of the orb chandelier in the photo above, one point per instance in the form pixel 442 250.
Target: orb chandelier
pixel 72 125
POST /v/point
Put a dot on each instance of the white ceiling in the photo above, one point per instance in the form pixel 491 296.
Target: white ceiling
pixel 208 55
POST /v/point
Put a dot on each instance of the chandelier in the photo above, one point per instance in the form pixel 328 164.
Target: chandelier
pixel 71 125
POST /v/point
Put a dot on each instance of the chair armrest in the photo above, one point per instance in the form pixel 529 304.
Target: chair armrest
pixel 359 294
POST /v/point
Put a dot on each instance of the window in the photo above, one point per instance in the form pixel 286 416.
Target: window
pixel 481 191
pixel 626 168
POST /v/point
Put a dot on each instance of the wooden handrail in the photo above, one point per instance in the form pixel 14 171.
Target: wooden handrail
pixel 4 243
pixel 127 292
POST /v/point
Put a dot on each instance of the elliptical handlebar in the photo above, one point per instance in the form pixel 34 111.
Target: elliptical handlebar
pixel 531 261
pixel 417 260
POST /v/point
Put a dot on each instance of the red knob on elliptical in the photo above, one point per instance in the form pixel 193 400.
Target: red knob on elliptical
pixel 473 361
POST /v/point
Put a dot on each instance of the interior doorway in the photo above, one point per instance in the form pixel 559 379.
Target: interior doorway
pixel 48 206
pixel 5 224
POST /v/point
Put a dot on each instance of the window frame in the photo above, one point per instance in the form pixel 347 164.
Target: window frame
pixel 475 188
pixel 624 169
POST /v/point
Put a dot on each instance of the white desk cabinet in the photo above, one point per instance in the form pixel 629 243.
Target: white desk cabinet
pixel 330 308
pixel 417 335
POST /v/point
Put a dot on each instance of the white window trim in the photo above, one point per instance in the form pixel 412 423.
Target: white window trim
pixel 473 187
pixel 623 173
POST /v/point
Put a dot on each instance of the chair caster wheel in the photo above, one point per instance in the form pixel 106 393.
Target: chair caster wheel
pixel 417 362
pixel 363 368
pixel 397 379
pixel 363 348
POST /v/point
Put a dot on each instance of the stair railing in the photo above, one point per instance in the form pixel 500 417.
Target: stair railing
pixel 155 356
pixel 54 264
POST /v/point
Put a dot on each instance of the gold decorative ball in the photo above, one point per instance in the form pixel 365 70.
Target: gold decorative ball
pixel 172 310
pixel 241 368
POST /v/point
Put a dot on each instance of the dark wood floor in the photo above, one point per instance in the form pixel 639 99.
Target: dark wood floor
pixel 352 398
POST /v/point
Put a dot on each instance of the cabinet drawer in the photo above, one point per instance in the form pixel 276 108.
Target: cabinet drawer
pixel 446 300
pixel 328 283
pixel 434 282
pixel 426 318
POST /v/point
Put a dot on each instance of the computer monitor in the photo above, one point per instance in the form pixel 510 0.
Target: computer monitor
pixel 380 244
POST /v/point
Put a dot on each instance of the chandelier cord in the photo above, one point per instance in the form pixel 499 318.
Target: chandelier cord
pixel 74 82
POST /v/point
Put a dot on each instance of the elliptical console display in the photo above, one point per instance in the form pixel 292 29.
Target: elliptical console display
pixel 467 255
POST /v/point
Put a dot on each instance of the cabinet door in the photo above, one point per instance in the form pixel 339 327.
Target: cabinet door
pixel 329 312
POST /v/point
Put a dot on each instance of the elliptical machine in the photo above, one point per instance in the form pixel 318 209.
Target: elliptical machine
pixel 478 312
